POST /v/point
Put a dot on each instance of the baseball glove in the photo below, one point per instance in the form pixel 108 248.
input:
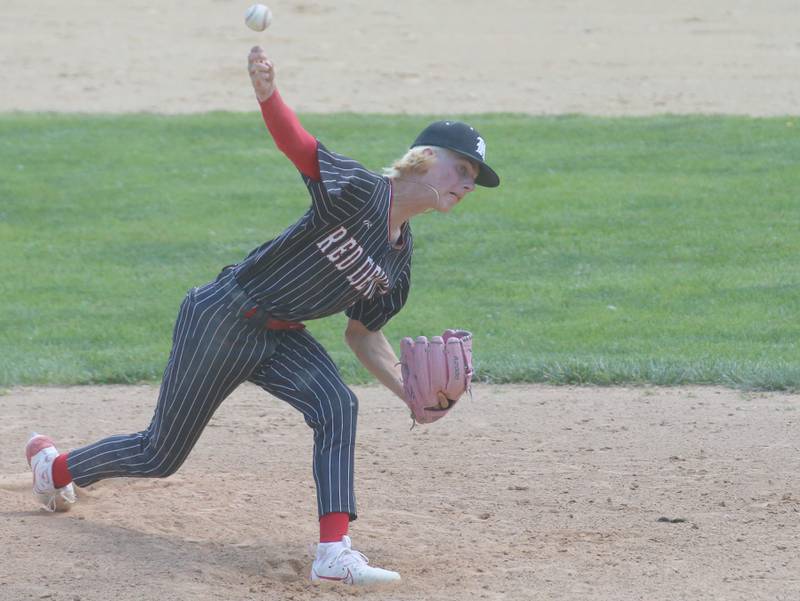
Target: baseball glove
pixel 436 373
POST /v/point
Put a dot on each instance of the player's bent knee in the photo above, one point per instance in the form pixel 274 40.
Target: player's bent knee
pixel 346 407
pixel 163 471
pixel 338 411
pixel 163 465
pixel 166 472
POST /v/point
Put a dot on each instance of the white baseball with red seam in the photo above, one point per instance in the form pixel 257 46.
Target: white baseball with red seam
pixel 258 17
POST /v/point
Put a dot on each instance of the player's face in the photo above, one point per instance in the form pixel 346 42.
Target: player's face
pixel 453 176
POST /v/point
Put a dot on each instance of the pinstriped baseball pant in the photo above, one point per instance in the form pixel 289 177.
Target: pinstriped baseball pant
pixel 214 349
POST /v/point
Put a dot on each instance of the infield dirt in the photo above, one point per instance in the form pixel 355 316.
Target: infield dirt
pixel 602 57
pixel 525 492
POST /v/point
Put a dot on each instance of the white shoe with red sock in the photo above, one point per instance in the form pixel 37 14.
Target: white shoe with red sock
pixel 339 562
pixel 40 453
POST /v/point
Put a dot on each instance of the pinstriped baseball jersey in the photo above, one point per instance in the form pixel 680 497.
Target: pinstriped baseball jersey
pixel 337 256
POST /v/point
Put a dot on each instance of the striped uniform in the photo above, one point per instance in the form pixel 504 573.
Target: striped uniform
pixel 336 257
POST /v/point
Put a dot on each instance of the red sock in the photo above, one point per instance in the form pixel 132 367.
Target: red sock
pixel 61 475
pixel 333 526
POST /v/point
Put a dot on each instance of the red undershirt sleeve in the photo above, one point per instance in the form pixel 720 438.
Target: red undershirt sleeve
pixel 290 136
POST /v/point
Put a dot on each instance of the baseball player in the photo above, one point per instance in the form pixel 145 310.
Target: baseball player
pixel 350 251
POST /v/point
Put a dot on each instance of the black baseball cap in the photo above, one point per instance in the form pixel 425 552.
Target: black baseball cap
pixel 461 139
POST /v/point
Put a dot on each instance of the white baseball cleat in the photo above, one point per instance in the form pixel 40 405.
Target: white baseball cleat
pixel 339 562
pixel 40 453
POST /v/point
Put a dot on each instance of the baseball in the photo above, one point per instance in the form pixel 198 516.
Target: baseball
pixel 258 17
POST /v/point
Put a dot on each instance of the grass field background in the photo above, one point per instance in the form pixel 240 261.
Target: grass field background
pixel 657 250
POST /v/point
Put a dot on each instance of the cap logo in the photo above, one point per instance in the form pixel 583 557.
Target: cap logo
pixel 481 148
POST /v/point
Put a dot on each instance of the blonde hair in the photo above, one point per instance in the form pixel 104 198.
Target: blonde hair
pixel 415 161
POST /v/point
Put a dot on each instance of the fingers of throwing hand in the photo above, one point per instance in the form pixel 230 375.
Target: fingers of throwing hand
pixel 264 69
pixel 257 52
pixel 257 55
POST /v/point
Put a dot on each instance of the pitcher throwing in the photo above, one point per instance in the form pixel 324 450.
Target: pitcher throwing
pixel 350 251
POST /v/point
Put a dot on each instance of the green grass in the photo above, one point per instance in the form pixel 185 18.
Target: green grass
pixel 656 250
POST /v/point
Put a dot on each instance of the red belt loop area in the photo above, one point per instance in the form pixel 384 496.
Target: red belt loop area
pixel 275 324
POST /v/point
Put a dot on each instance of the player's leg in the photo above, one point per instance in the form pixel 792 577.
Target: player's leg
pixel 302 373
pixel 214 350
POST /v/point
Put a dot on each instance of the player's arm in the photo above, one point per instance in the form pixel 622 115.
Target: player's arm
pixel 289 135
pixel 376 354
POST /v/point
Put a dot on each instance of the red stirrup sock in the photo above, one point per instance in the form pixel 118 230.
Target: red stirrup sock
pixel 333 526
pixel 61 475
